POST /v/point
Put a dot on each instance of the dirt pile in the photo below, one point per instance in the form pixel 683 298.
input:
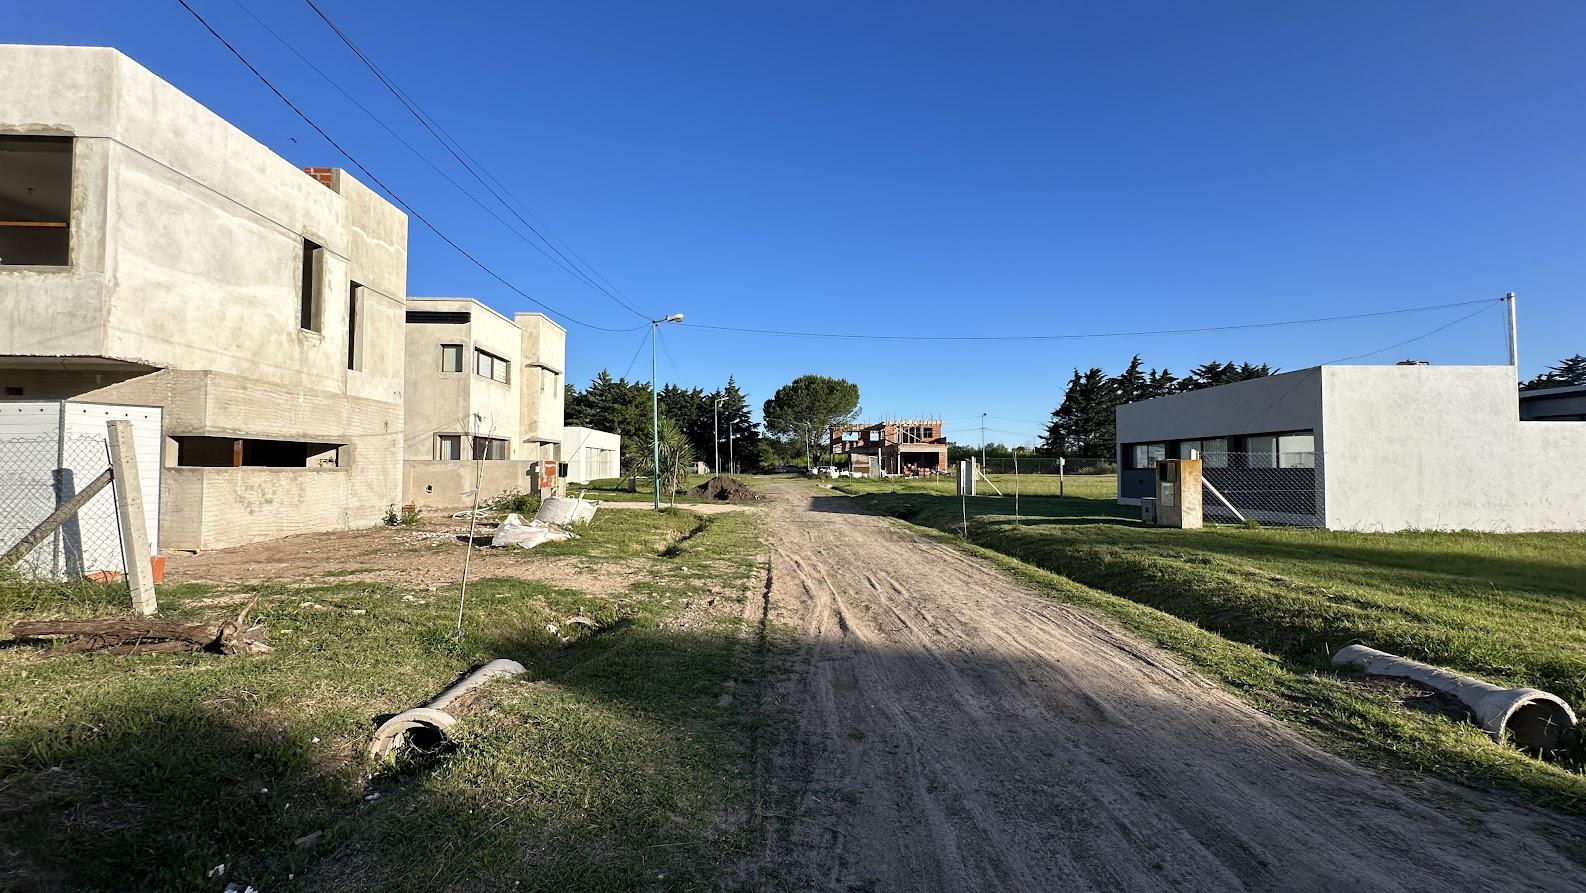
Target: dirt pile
pixel 722 488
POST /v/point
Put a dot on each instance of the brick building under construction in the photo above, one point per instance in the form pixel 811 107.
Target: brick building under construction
pixel 896 447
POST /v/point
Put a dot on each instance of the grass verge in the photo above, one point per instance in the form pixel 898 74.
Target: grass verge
pixel 609 766
pixel 1261 610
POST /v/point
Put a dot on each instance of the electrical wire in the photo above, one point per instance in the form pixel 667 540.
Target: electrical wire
pixel 447 142
pixel 409 146
pixel 1085 335
pixel 1440 328
pixel 388 190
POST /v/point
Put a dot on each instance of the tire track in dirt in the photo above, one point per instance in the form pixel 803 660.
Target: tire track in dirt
pixel 950 730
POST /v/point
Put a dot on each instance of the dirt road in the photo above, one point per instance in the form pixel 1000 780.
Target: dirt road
pixel 954 731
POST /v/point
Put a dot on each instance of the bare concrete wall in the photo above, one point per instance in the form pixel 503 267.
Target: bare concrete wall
pixel 544 391
pixel 441 402
pixel 436 485
pixel 187 245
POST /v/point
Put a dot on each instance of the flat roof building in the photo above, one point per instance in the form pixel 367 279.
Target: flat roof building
pixel 1373 448
pixel 154 254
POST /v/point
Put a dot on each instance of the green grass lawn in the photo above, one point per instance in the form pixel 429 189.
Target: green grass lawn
pixel 1089 486
pixel 612 489
pixel 610 766
pixel 1278 602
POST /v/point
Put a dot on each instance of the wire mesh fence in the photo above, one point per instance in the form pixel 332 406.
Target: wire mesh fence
pixel 38 474
pixel 1050 465
pixel 1268 487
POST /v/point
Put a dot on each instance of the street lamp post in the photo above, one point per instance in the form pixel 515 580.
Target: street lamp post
pixel 983 440
pixel 655 407
pixel 715 430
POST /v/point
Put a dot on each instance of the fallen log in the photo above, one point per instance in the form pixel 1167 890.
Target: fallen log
pixel 148 636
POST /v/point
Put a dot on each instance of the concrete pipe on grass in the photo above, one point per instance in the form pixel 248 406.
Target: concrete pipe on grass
pixel 430 723
pixel 1533 719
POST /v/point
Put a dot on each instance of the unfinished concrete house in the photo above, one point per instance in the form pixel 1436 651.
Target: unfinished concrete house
pixel 901 446
pixel 153 254
pixel 481 386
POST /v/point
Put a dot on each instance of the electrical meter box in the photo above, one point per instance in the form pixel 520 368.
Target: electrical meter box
pixel 1178 493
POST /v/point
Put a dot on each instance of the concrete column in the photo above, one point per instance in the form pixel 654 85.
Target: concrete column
pixel 129 515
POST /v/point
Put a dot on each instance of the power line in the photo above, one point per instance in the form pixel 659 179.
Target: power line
pixel 1440 328
pixel 1306 374
pixel 447 141
pixel 380 183
pixel 1085 335
pixel 407 145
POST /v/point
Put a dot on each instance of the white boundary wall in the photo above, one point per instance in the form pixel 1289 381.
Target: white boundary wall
pixel 1443 448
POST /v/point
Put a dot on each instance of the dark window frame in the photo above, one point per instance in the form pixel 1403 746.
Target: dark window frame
pixel 39 233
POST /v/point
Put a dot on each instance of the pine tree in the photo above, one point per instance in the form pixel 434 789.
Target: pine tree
pixel 1132 384
pixel 1084 424
pixel 1569 371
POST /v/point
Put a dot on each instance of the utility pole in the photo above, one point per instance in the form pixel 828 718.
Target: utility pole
pixel 1514 334
pixel 982 440
pixel 715 430
pixel 655 406
pixel 730 468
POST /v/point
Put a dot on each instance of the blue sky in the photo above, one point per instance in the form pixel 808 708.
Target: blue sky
pixel 973 169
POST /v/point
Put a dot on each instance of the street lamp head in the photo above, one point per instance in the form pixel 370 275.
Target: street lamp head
pixel 676 317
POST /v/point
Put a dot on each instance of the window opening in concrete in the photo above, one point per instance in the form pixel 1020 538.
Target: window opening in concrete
pixel 451 358
pixel 354 344
pixel 448 446
pixel 490 448
pixel 200 451
pixel 490 366
pixel 309 311
pixel 35 200
pixel 438 317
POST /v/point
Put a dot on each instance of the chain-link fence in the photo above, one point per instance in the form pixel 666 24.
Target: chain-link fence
pixel 1050 465
pixel 1269 487
pixel 38 474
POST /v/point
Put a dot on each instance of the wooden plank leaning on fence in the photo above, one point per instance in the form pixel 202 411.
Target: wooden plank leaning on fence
pixel 122 478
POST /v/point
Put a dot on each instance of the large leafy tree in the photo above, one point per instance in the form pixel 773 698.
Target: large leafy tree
pixel 807 407
pixel 1568 371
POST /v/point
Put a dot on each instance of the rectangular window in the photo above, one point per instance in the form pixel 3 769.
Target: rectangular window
pixel 1146 455
pixel 354 348
pixel 1297 450
pixel 1261 451
pixel 490 366
pixel 35 200
pixel 490 448
pixel 1214 452
pixel 309 311
pixel 451 358
pixel 245 452
pixel 448 446
pixel 1190 449
pixel 930 433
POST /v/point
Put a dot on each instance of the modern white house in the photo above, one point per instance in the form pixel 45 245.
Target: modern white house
pixel 154 255
pixel 1374 448
pixel 591 455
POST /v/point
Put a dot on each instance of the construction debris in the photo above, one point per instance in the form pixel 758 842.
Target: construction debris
pixel 562 511
pixel 432 718
pixel 513 532
pixel 126 635
pixel 1534 719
